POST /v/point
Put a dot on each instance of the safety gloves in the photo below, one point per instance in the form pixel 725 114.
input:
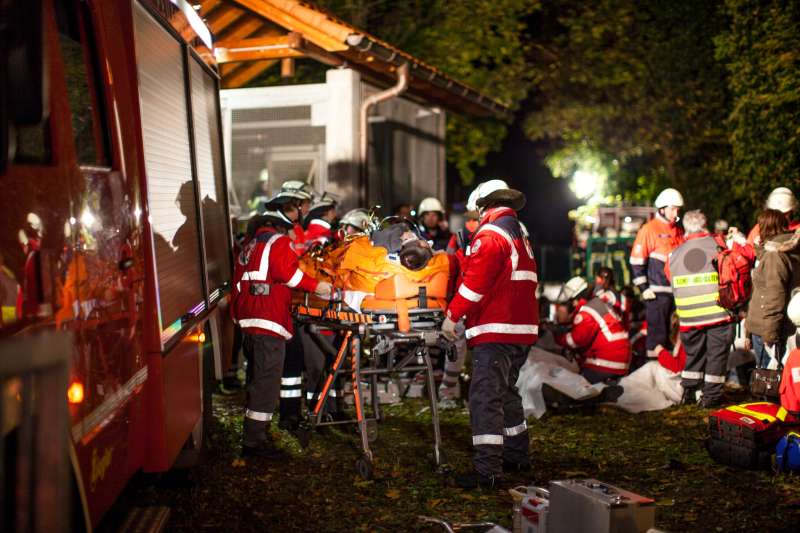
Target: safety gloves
pixel 648 294
pixel 449 329
pixel 323 290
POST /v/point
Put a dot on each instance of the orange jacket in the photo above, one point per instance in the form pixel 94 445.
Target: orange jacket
pixel 653 244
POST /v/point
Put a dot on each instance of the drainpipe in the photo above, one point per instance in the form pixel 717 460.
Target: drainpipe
pixel 363 132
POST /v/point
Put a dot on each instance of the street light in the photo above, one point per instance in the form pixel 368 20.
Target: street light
pixel 585 183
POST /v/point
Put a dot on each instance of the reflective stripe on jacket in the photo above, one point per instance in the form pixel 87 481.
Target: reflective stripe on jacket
pixel 497 295
pixel 695 282
pixel 597 333
pixel 262 292
pixel 653 244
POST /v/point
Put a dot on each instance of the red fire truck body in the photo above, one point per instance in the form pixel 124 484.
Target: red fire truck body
pixel 114 228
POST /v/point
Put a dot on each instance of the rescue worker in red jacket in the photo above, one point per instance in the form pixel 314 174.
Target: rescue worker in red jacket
pixel 781 199
pixel 301 352
pixel 261 303
pixel 706 328
pixel 497 300
pixel 596 333
pixel 790 380
pixel 317 224
pixel 654 242
pixel 304 195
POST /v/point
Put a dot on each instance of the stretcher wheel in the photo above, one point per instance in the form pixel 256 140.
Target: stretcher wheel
pixel 364 468
pixel 372 431
pixel 440 461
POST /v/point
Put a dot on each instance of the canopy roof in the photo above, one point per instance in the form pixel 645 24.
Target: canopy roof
pixel 253 35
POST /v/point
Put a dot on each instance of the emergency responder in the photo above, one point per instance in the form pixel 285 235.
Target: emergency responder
pixel 781 199
pixel 705 328
pixel 596 333
pixel 449 388
pixel 432 225
pixel 653 244
pixel 303 194
pixel 497 299
pixel 301 352
pixel 354 221
pixel 317 224
pixel 261 301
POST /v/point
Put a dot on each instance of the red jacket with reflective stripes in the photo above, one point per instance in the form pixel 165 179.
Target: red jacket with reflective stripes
pixel 600 338
pixel 653 244
pixel 317 232
pixel 497 294
pixel 262 295
pixel 790 383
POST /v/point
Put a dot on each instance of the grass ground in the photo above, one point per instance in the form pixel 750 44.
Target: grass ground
pixel 660 455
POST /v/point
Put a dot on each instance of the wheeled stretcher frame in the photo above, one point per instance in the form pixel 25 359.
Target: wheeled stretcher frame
pixel 358 358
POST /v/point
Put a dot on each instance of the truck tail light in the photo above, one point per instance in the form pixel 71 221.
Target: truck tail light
pixel 75 392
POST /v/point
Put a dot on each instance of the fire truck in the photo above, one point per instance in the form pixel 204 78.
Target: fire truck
pixel 114 226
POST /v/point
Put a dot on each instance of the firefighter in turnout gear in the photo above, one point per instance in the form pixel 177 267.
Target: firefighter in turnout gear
pixel 497 299
pixel 301 352
pixel 261 303
pixel 654 242
pixel 596 333
pixel 706 328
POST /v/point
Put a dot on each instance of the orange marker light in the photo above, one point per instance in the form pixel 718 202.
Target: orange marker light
pixel 75 392
pixel 201 337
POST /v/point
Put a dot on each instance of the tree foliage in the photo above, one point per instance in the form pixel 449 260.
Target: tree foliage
pixel 761 50
pixel 637 80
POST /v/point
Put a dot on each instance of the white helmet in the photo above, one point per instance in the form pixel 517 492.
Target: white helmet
pixel 472 200
pixel 781 199
pixel 573 288
pixel 430 204
pixel 498 190
pixel 669 197
pixel 297 189
pixel 793 311
pixel 358 218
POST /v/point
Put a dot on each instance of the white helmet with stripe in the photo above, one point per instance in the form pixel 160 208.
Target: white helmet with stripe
pixel 669 198
pixel 430 204
pixel 782 199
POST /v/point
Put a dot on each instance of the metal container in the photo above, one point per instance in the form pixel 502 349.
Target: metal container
pixel 591 506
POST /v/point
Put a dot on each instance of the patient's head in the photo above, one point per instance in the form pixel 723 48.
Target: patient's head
pixel 415 254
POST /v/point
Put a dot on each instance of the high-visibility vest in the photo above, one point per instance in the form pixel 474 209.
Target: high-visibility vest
pixel 695 283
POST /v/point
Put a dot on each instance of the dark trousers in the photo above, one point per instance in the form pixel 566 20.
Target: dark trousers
pixel 314 363
pixel 707 359
pixel 658 314
pixel 292 381
pixel 265 365
pixel 596 376
pixel 499 430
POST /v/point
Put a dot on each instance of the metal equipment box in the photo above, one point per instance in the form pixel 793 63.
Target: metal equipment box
pixel 591 506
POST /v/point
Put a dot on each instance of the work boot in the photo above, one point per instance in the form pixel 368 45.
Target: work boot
pixel 289 423
pixel 263 450
pixel 510 467
pixel 302 433
pixel 610 393
pixel 475 480
pixel 689 396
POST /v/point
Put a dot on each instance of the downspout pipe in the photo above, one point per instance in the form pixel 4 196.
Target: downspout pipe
pixel 363 126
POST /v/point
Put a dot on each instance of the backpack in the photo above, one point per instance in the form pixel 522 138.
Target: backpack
pixel 787 453
pixel 735 283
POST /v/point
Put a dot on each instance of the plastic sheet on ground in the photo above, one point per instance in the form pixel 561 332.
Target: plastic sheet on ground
pixel 546 367
pixel 649 388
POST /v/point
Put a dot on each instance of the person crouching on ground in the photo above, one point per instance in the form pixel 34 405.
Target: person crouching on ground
pixel 596 333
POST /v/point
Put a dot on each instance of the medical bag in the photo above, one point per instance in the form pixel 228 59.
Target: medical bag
pixel 745 435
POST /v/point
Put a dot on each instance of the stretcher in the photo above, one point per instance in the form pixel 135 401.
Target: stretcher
pixel 391 333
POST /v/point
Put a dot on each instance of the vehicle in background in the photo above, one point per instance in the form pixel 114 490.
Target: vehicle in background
pixel 114 227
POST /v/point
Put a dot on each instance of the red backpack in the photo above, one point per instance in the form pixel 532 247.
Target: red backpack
pixel 735 283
